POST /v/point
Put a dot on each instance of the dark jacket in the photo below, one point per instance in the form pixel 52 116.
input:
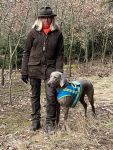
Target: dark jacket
pixel 43 54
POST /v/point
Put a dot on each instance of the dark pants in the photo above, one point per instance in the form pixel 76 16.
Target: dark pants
pixel 52 104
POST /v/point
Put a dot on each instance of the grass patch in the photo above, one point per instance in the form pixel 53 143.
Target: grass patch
pixel 14 121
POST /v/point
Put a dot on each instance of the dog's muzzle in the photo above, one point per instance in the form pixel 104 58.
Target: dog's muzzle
pixel 49 84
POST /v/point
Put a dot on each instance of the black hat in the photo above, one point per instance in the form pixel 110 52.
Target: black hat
pixel 46 12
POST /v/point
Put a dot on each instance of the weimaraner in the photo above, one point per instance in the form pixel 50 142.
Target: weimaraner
pixel 67 97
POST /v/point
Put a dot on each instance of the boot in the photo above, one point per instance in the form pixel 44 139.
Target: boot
pixel 35 121
pixel 35 125
pixel 51 117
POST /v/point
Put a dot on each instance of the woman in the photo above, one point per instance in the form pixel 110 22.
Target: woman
pixel 43 54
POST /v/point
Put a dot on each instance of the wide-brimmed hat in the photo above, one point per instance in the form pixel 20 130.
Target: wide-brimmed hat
pixel 46 12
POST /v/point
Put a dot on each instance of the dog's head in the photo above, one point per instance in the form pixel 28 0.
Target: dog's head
pixel 57 79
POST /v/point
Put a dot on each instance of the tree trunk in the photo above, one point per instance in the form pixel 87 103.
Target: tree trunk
pixel 86 51
pixel 78 60
pixel 3 67
pixel 111 61
pixel 16 58
pixel 92 57
pixel 11 57
pixel 70 54
pixel 105 46
pixel 10 71
pixel 71 39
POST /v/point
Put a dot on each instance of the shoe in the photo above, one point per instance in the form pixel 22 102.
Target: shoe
pixel 35 125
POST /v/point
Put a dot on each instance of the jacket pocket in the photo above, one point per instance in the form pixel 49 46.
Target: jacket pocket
pixel 34 63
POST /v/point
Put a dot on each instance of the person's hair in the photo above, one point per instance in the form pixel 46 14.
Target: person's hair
pixel 38 24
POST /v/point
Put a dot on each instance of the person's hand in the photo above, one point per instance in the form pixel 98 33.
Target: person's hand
pixel 24 78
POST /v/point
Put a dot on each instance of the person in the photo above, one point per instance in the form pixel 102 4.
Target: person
pixel 43 54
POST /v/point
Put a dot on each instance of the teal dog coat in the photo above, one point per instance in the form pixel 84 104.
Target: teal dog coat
pixel 72 89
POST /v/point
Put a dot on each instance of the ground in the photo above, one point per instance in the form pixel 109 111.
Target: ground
pixel 83 133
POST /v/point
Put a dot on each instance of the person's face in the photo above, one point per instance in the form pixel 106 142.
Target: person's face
pixel 47 20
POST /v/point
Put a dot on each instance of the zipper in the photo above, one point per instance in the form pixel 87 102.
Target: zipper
pixel 44 46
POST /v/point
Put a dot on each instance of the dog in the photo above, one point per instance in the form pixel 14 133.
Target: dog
pixel 69 93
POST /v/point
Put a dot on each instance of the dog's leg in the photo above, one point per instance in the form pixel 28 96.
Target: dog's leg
pixel 57 114
pixel 90 96
pixel 65 110
pixel 84 105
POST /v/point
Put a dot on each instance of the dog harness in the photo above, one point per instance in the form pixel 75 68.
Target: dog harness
pixel 72 89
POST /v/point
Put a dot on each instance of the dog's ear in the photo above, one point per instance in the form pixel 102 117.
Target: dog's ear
pixel 63 80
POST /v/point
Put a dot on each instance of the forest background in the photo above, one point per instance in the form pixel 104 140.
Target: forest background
pixel 87 26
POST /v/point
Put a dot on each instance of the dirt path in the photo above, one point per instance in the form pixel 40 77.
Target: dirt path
pixel 84 134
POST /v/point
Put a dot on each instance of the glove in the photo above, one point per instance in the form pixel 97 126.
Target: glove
pixel 24 78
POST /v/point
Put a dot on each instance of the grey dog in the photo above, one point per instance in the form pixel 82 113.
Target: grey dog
pixel 81 87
